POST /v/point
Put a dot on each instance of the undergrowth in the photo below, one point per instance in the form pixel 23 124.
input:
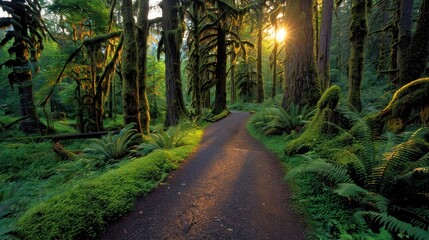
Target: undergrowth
pixel 57 199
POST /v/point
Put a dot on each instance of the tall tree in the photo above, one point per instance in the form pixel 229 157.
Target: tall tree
pixel 173 29
pixel 259 82
pixel 28 30
pixel 130 90
pixel 142 34
pixel 300 70
pixel 357 38
pixel 325 44
pixel 414 62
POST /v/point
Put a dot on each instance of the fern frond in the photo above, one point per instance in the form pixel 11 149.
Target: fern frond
pixel 394 225
pixel 334 174
pixel 362 196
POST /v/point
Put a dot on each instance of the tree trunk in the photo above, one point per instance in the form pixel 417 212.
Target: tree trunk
pixel 24 78
pixel 233 62
pixel 173 40
pixel 325 44
pixel 405 27
pixel 358 35
pixel 273 89
pixel 415 60
pixel 130 90
pixel 299 66
pixel 142 33
pixel 220 99
pixel 259 81
pixel 381 65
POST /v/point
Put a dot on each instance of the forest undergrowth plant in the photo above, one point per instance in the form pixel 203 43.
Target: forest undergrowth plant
pixel 389 189
pixel 276 120
pixel 114 146
pixel 171 138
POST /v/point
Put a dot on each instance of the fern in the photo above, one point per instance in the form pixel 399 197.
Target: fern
pixel 114 146
pixel 163 140
pixel 334 174
pixel 394 225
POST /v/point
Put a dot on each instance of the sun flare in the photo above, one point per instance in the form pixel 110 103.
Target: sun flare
pixel 281 35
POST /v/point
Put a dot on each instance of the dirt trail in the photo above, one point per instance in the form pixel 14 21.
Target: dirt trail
pixel 230 188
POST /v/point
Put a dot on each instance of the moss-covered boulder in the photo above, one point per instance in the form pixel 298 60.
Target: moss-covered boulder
pixel 323 123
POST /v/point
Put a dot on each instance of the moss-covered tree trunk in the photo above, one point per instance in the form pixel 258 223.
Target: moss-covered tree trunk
pixel 273 88
pixel 325 44
pixel 130 86
pixel 414 61
pixel 172 41
pixel 259 80
pixel 220 97
pixel 299 66
pixel 142 34
pixel 23 77
pixel 358 35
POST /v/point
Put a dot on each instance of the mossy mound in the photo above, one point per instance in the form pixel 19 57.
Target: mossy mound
pixel 323 123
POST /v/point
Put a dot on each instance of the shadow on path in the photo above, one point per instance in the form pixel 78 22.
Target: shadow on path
pixel 230 188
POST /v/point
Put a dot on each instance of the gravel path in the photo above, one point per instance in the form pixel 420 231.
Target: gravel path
pixel 230 188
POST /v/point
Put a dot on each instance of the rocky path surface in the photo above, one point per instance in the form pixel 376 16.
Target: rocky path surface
pixel 230 188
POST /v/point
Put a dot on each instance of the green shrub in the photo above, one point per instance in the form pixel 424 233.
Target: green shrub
pixel 114 146
pixel 171 138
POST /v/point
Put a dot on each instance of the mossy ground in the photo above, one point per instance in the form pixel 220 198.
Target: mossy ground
pixel 42 197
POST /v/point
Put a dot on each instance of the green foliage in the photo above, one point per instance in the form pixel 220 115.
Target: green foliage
pixel 171 138
pixel 80 208
pixel 114 146
pixel 276 120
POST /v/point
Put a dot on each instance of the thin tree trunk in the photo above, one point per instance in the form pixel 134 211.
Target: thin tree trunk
pixel 142 33
pixel 173 41
pixel 416 58
pixel 130 90
pixel 220 99
pixel 381 66
pixel 259 81
pixel 405 27
pixel 325 44
pixel 233 62
pixel 273 89
pixel 358 35
pixel 299 67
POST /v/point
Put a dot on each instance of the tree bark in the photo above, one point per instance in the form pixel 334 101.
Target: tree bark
pixel 405 27
pixel 220 99
pixel 358 35
pixel 325 44
pixel 130 84
pixel 173 40
pixel 142 34
pixel 24 78
pixel 259 81
pixel 415 60
pixel 299 67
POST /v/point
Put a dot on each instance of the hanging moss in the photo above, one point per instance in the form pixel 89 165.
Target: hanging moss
pixel 408 105
pixel 322 123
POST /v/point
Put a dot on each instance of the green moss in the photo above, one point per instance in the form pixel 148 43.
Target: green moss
pixel 84 210
pixel 320 125
pixel 407 104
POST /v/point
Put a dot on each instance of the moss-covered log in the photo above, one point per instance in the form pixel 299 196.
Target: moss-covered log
pixel 323 123
pixel 408 105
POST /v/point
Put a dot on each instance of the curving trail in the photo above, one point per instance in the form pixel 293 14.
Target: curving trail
pixel 230 188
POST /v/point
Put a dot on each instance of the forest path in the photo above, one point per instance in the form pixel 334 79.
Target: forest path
pixel 230 188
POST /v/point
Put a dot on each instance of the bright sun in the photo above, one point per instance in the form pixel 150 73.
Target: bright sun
pixel 281 35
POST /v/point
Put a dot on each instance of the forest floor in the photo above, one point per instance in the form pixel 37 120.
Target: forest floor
pixel 230 188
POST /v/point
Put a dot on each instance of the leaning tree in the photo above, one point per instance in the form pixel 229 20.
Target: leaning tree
pixel 25 27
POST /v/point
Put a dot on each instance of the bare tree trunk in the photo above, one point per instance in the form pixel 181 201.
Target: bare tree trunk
pixel 325 44
pixel 358 35
pixel 405 27
pixel 273 89
pixel 299 66
pixel 142 33
pixel 416 58
pixel 173 41
pixel 220 99
pixel 130 85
